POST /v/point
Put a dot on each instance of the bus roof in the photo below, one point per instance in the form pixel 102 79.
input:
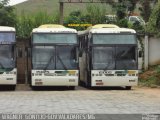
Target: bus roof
pixel 111 30
pixel 103 26
pixel 7 29
pixel 53 28
pixel 98 27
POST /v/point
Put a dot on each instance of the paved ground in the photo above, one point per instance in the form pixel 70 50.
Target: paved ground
pixel 81 100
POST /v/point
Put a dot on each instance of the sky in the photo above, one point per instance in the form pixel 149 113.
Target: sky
pixel 14 2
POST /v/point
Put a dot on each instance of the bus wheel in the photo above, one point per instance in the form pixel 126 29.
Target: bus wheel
pixel 71 87
pixel 128 87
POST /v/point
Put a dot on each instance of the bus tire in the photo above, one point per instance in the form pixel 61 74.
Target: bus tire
pixel 128 87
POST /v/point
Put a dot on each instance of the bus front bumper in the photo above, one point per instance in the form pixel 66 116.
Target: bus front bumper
pixel 9 78
pixel 54 79
pixel 109 78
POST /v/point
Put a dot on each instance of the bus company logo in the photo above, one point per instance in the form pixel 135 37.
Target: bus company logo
pixel 105 72
pixel 9 78
pixel 79 25
pixel 40 72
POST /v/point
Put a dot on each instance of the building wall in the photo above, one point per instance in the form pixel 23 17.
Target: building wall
pixel 154 50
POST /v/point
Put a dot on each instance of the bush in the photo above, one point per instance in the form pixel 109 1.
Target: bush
pixel 150 78
pixel 123 23
pixel 26 23
pixel 154 20
pixel 94 15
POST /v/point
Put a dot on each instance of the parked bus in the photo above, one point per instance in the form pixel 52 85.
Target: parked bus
pixel 8 70
pixel 54 56
pixel 108 56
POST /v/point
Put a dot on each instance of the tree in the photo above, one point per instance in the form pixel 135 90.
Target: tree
pixel 8 17
pixel 154 20
pixel 94 15
pixel 124 8
pixel 145 9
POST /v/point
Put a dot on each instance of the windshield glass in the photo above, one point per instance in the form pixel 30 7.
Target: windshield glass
pixel 66 57
pixel 104 58
pixel 126 58
pixel 114 58
pixel 7 38
pixel 114 39
pixel 7 57
pixel 51 57
pixel 55 38
pixel 43 57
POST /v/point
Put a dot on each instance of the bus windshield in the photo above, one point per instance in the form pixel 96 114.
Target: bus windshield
pixel 55 38
pixel 43 57
pixel 114 58
pixel 114 39
pixel 103 58
pixel 59 57
pixel 7 57
pixel 66 57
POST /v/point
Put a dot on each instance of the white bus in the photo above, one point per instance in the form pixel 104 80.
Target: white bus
pixel 54 56
pixel 8 70
pixel 108 56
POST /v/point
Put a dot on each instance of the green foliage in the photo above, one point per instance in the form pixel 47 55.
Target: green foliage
pixel 154 20
pixel 94 15
pixel 149 82
pixel 7 15
pixel 120 9
pixel 124 8
pixel 137 26
pixel 151 78
pixel 123 23
pixel 26 23
pixel 74 18
pixel 145 9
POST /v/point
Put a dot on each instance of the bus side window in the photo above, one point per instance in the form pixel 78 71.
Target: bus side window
pixel 82 46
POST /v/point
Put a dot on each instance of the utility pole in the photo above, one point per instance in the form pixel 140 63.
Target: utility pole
pixel 61 12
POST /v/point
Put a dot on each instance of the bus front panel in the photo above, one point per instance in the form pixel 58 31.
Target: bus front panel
pixel 8 77
pixel 8 70
pixel 55 65
pixel 114 77
pixel 55 78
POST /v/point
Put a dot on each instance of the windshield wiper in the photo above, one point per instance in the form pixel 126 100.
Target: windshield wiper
pixel 61 61
pixel 109 63
pixel 51 58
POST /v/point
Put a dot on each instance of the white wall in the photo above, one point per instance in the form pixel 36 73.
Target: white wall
pixel 154 51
